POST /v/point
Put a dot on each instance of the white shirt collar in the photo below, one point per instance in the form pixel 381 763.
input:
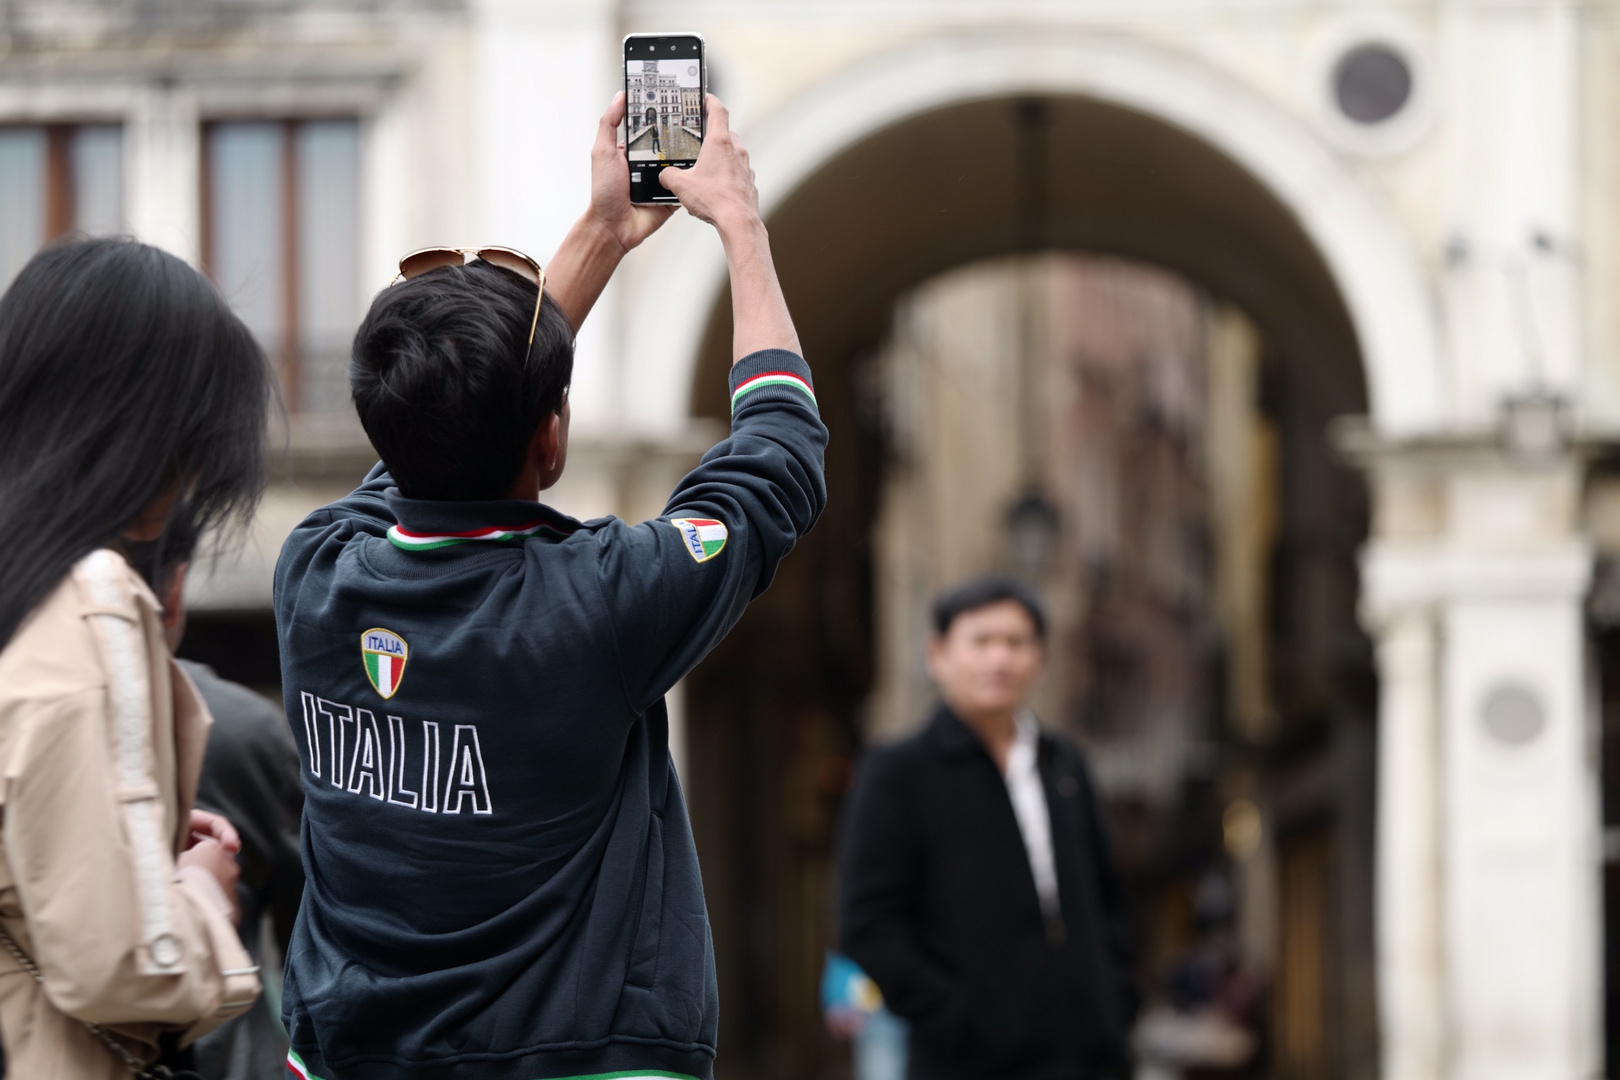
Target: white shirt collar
pixel 1028 796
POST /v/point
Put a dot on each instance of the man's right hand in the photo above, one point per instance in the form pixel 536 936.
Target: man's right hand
pixel 720 188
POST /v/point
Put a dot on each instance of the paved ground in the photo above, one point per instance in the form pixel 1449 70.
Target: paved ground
pixel 676 144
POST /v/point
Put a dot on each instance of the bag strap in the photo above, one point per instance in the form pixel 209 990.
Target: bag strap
pixel 119 1050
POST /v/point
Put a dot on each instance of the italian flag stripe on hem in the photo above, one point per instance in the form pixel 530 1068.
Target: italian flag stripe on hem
pixel 772 378
pixel 295 1066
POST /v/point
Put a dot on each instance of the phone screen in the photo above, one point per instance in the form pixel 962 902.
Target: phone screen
pixel 663 122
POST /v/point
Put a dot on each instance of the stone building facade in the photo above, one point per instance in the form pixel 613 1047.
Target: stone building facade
pixel 654 98
pixel 692 108
pixel 1412 206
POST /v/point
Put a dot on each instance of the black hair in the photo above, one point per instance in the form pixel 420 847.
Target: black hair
pixel 981 593
pixel 443 385
pixel 124 377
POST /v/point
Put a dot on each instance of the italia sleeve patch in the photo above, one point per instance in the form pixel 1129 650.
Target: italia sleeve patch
pixel 704 538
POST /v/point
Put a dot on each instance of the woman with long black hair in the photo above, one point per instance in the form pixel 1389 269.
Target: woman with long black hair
pixel 132 413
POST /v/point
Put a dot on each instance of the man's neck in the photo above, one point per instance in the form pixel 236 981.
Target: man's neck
pixel 996 730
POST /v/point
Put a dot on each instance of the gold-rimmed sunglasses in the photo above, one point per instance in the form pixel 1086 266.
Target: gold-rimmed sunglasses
pixel 422 260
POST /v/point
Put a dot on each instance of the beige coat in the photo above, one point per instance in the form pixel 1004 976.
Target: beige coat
pixel 101 744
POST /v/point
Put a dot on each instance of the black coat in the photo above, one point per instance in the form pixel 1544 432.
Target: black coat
pixel 250 775
pixel 938 905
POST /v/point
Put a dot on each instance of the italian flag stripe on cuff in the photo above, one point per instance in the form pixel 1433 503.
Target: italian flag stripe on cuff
pixel 771 378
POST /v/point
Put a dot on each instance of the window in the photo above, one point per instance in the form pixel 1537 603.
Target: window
pixel 56 179
pixel 1372 83
pixel 280 237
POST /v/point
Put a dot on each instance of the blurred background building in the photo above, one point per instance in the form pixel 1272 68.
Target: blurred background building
pixel 1278 342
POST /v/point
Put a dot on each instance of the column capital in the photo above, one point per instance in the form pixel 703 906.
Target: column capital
pixel 1402 574
pixel 1470 515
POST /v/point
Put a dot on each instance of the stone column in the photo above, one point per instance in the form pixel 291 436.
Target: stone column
pixel 162 146
pixel 1523 939
pixel 543 71
pixel 1489 831
pixel 1407 874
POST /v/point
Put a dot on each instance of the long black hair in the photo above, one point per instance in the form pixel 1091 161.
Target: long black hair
pixel 124 377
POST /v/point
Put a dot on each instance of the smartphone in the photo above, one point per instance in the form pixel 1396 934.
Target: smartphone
pixel 665 78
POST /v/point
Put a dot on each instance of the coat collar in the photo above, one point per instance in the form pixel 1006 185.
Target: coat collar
pixel 952 738
pixel 429 524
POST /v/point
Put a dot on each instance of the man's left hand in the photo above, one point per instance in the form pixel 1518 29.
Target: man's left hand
pixel 626 222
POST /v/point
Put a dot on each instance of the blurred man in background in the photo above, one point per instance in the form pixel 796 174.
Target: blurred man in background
pixel 977 888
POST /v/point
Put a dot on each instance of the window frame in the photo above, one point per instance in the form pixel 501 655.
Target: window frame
pixel 289 361
pixel 61 209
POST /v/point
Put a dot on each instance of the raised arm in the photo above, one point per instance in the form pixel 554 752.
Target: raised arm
pixel 606 231
pixel 720 189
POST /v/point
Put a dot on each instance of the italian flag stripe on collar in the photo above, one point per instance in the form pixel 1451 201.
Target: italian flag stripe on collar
pixel 771 378
pixel 410 540
pixel 296 1067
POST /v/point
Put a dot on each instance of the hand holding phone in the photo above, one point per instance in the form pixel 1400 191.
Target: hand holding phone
pixel 628 223
pixel 665 80
pixel 720 188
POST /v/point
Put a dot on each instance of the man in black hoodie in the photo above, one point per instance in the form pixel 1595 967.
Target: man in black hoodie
pixel 501 879
pixel 977 889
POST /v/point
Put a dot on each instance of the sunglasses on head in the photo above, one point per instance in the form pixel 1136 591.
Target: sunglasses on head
pixel 423 260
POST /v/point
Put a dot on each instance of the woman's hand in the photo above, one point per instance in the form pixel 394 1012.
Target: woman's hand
pixel 206 825
pixel 211 846
pixel 211 857
pixel 626 222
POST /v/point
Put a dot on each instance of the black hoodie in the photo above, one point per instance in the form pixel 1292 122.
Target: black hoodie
pixel 501 875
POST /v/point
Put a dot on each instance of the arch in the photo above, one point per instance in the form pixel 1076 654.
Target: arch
pixel 1377 276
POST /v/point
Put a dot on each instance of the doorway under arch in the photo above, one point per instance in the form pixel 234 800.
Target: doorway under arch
pixel 778 709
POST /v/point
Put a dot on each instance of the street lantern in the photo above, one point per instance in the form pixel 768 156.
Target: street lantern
pixel 1032 534
pixel 1032 520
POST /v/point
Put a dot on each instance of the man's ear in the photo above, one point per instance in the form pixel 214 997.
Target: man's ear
pixel 550 444
pixel 549 449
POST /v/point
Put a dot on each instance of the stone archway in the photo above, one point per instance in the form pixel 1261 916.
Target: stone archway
pixel 900 168
pixel 1364 253
pixel 925 186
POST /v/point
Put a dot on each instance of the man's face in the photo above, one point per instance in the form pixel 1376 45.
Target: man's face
pixel 988 661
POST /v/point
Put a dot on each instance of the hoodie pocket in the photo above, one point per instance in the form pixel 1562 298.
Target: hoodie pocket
pixel 649 926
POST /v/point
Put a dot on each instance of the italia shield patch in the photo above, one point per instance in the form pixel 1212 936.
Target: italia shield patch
pixel 704 537
pixel 384 653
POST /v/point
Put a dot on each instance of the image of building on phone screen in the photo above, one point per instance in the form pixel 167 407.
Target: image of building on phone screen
pixel 664 109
